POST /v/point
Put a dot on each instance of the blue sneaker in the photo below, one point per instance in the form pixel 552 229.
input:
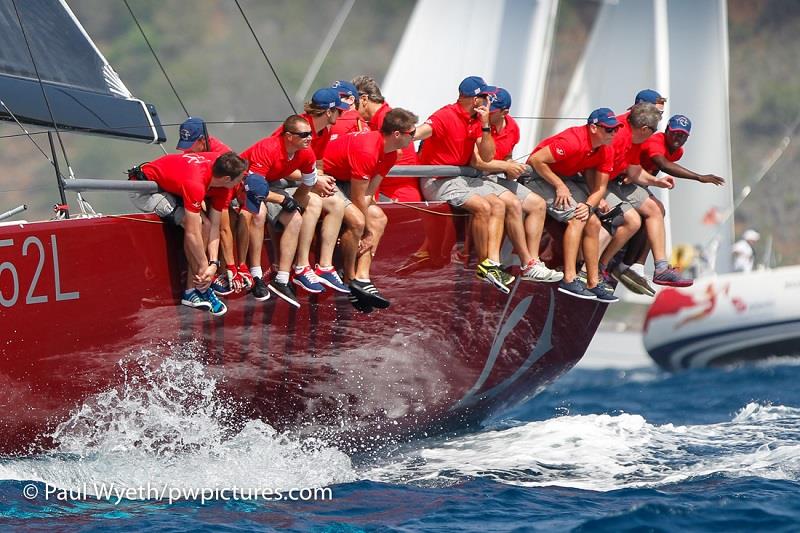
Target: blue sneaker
pixel 330 278
pixel 604 293
pixel 577 289
pixel 221 286
pixel 307 279
pixel 217 308
pixel 195 300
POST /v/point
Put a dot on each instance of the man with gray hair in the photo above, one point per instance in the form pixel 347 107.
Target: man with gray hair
pixel 629 187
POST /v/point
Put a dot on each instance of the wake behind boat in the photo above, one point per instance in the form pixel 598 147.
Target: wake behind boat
pixel 80 296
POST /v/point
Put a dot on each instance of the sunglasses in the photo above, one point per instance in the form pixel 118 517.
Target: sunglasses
pixel 301 134
pixel 410 132
pixel 610 130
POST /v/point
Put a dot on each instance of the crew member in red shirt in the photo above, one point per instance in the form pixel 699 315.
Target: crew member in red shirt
pixel 349 121
pixel 359 162
pixel 373 108
pixel 277 157
pixel 450 137
pixel 571 172
pixel 524 221
pixel 185 180
pixel 629 188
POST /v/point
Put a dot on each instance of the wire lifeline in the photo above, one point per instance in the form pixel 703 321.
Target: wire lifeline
pixel 266 57
pixel 163 71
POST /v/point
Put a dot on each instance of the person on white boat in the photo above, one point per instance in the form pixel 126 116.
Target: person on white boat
pixel 185 180
pixel 321 113
pixel 193 138
pixel 524 226
pixel 359 162
pixel 450 136
pixel 571 170
pixel 630 189
pixel 743 253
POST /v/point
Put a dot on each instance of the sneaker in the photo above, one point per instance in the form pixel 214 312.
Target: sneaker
pixel 284 291
pixel 607 278
pixel 670 277
pixel 367 292
pixel 604 293
pixel 493 274
pixel 259 290
pixel 577 289
pixel 195 299
pixel 633 281
pixel 536 270
pixel 221 286
pixel 217 307
pixel 307 279
pixel 330 278
pixel 358 303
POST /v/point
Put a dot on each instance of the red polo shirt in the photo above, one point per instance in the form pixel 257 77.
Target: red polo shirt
pixel 573 152
pixel 654 146
pixel 358 156
pixel 506 140
pixel 269 158
pixel 625 152
pixel 453 139
pixel 349 122
pixel 218 197
pixel 185 175
pixel 401 189
pixel 319 139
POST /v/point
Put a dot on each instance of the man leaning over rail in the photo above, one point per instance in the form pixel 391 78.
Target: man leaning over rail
pixel 186 180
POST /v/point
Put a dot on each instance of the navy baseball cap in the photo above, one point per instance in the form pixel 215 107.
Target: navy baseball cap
pixel 256 189
pixel 474 85
pixel 604 117
pixel 680 123
pixel 328 98
pixel 345 88
pixel 191 130
pixel 500 100
pixel 649 95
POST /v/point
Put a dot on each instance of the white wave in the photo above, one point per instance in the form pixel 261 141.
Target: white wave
pixel 165 426
pixel 604 452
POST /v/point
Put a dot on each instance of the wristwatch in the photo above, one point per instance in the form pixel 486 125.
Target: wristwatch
pixel 486 129
pixel 214 262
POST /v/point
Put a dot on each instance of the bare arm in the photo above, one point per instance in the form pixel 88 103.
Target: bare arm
pixel 423 132
pixel 213 240
pixel 511 169
pixel 636 174
pixel 674 169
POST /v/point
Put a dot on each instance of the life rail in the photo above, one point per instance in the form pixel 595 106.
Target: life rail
pixel 92 184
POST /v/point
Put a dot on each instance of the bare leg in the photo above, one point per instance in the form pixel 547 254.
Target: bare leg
pixel 481 214
pixel 653 213
pixel 534 209
pixel 292 224
pixel 591 250
pixel 496 220
pixel 311 214
pixel 257 236
pixel 572 242
pixel 515 227
pixel 631 223
pixel 354 223
pixel 376 224
pixel 333 206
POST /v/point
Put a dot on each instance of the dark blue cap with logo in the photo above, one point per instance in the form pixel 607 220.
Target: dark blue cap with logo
pixel 680 123
pixel 256 189
pixel 650 96
pixel 474 85
pixel 345 88
pixel 192 129
pixel 328 98
pixel 604 117
pixel 500 100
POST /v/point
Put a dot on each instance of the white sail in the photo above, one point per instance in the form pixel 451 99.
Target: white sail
pixel 696 85
pixel 507 42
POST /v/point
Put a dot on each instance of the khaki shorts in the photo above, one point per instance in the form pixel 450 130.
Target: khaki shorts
pixel 457 190
pixel 167 206
pixel 517 188
pixel 578 190
pixel 287 188
pixel 629 195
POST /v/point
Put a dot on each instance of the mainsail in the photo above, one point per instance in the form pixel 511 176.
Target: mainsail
pixel 679 48
pixel 507 42
pixel 44 50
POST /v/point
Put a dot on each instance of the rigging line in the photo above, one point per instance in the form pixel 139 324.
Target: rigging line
pixel 152 51
pixel 324 49
pixel 25 133
pixel 266 57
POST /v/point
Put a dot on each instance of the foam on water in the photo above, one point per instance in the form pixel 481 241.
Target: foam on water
pixel 604 452
pixel 167 425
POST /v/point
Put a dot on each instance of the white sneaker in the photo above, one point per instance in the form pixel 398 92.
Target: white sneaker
pixel 538 271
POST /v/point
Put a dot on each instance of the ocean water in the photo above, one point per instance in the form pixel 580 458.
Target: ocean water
pixel 603 449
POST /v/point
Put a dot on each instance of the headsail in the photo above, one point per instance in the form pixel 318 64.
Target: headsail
pixel 83 91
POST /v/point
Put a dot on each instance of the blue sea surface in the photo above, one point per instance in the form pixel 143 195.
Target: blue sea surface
pixel 600 450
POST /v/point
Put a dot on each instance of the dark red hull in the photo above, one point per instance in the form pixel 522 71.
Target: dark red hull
pixel 79 296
